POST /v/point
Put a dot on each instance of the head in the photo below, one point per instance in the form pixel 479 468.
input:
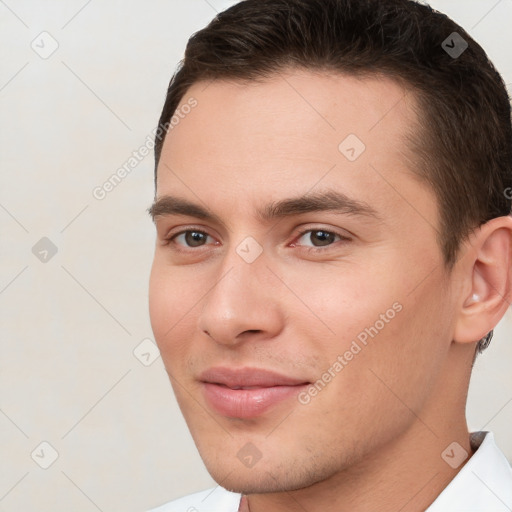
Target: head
pixel 349 228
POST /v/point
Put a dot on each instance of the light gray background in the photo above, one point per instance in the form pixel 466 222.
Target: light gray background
pixel 70 325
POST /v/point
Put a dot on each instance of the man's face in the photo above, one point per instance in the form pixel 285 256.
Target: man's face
pixel 352 307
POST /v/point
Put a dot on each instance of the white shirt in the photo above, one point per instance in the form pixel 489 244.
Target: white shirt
pixel 484 484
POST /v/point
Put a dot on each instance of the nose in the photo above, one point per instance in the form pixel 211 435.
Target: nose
pixel 243 303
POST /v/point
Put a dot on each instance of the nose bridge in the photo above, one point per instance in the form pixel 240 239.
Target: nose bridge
pixel 240 301
pixel 242 267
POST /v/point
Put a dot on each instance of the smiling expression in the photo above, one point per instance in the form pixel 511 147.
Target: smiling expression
pixel 289 222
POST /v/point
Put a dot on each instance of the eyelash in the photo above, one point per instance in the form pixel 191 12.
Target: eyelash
pixel 325 248
pixel 170 239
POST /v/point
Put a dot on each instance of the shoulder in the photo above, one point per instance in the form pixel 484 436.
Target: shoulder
pixel 216 499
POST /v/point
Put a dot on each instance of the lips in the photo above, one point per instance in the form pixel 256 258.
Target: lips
pixel 247 378
pixel 247 392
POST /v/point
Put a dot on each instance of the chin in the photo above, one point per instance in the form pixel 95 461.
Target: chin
pixel 263 478
pixel 258 484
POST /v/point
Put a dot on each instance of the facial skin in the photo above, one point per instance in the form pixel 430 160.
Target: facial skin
pixel 372 438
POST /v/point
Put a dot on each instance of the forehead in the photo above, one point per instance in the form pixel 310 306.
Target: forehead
pixel 291 133
pixel 297 112
pixel 333 99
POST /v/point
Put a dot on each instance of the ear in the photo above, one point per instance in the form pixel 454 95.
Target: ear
pixel 486 273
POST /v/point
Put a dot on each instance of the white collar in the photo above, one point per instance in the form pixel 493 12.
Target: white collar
pixel 484 484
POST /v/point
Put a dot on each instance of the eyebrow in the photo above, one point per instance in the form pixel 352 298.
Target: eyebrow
pixel 325 201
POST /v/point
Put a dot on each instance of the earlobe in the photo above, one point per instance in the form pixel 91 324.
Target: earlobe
pixel 487 269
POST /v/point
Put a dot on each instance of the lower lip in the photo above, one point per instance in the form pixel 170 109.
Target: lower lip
pixel 247 403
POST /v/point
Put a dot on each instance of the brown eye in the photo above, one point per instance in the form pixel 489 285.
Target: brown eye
pixel 318 237
pixel 191 238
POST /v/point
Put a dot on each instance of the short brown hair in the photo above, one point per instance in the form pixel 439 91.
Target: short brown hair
pixel 463 147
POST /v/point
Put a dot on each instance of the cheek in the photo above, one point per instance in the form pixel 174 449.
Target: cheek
pixel 404 359
pixel 347 299
pixel 160 303
pixel 376 320
pixel 168 309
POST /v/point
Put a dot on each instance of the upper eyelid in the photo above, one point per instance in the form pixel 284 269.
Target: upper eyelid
pixel 334 231
pixel 169 235
pixel 324 247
